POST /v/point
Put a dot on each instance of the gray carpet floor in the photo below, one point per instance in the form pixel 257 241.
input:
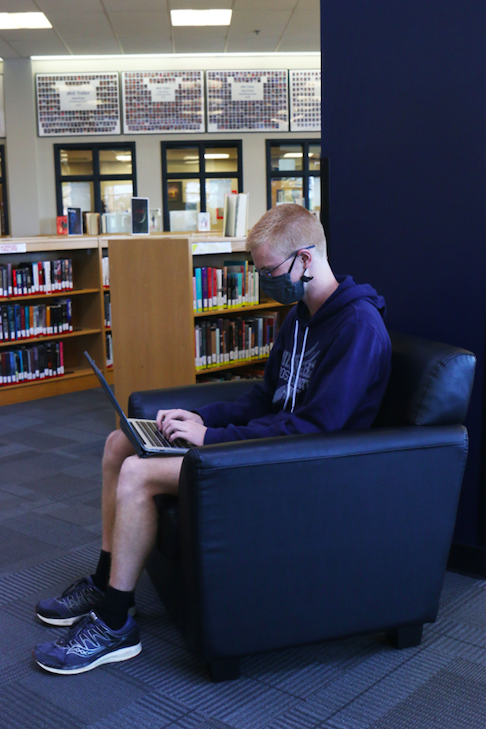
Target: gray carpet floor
pixel 50 452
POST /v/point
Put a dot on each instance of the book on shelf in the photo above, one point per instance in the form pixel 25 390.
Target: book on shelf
pixel 105 271
pixel 223 341
pixel 235 216
pixel 109 349
pixel 20 321
pixel 236 284
pixel 35 362
pixel 38 277
pixel 91 223
pixel 61 225
pixel 74 221
pixel 107 308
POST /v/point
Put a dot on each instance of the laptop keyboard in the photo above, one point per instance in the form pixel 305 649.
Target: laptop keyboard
pixel 155 437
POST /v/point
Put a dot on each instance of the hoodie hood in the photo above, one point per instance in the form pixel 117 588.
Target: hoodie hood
pixel 347 292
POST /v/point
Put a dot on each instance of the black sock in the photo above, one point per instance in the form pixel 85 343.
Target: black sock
pixel 113 610
pixel 102 574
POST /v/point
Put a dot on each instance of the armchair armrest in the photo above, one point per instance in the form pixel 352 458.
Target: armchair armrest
pixel 315 525
pixel 146 403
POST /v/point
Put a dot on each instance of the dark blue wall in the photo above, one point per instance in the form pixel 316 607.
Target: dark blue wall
pixel 404 128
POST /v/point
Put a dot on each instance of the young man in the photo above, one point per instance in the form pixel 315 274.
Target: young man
pixel 328 370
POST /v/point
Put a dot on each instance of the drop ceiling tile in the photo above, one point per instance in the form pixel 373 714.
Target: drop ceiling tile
pixel 35 42
pixel 92 46
pixel 91 25
pixel 200 34
pixel 200 4
pixel 69 6
pixel 253 44
pixel 251 5
pixel 6 50
pixel 146 45
pixel 314 5
pixel 271 22
pixel 140 23
pixel 303 23
pixel 199 43
pixel 300 44
pixel 18 6
pixel 128 5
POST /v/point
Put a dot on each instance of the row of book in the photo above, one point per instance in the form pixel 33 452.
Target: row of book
pixel 223 341
pixel 107 308
pixel 109 349
pixel 19 321
pixel 38 277
pixel 236 284
pixel 36 362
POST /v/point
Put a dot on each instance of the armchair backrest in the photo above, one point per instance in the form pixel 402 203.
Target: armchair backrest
pixel 430 383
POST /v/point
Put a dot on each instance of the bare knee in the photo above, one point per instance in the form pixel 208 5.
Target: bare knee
pixel 117 449
pixel 132 484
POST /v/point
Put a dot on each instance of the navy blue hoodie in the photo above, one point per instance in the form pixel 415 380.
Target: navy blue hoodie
pixel 325 373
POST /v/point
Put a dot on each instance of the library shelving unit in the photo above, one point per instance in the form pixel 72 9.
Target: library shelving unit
pixel 87 313
pixel 152 308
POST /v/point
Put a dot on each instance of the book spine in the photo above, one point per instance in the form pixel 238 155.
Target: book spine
pixel 199 295
pixel 215 288
pixel 204 275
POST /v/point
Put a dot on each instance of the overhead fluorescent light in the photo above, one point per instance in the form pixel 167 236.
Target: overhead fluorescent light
pixel 216 155
pixel 215 16
pixel 18 21
pixel 124 157
pixel 293 155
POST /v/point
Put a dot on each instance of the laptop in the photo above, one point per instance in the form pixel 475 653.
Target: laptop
pixel 144 435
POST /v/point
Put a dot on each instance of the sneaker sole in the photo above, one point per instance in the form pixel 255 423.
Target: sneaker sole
pixel 123 654
pixel 70 621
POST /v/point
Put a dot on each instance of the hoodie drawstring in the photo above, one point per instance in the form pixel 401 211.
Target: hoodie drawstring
pixel 292 361
pixel 298 368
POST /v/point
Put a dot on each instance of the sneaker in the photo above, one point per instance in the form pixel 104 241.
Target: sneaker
pixel 75 602
pixel 78 600
pixel 89 643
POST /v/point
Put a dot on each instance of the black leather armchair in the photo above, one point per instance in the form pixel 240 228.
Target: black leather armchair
pixel 285 541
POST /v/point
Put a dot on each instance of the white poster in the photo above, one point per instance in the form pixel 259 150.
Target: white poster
pixel 247 89
pixel 161 92
pixel 78 98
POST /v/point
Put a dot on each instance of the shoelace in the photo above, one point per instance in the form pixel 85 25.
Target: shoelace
pixel 81 626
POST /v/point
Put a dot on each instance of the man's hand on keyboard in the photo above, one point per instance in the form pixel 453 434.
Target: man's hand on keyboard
pixel 181 424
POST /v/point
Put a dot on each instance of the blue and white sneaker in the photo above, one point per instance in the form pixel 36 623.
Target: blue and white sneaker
pixel 90 643
pixel 78 600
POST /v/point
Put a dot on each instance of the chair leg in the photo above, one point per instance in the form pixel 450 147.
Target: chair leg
pixel 224 669
pixel 406 637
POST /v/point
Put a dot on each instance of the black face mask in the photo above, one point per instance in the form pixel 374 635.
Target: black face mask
pixel 282 288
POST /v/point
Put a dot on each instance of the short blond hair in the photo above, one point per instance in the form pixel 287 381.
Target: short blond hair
pixel 287 228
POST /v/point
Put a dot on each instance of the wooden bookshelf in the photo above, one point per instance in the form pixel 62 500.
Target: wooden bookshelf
pixel 152 310
pixel 87 311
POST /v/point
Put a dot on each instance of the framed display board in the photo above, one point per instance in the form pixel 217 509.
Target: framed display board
pixel 247 101
pixel 163 101
pixel 305 101
pixel 77 104
pixel 2 110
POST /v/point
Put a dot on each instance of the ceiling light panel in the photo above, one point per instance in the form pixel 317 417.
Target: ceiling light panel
pixel 19 21
pixel 214 16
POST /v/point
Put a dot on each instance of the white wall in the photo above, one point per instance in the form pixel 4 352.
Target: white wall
pixel 30 159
